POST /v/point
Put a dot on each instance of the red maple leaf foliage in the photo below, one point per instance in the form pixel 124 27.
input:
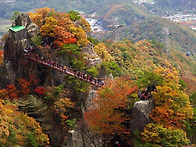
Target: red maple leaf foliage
pixel 24 85
pixel 40 91
pixel 11 92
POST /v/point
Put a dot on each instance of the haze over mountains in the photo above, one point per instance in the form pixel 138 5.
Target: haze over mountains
pixel 159 7
pixel 127 13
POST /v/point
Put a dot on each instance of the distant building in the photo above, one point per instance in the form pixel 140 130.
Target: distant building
pixel 181 17
pixel 7 1
pixel 144 1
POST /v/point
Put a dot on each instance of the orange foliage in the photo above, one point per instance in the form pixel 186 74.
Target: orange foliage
pixel 1 57
pixel 48 28
pixel 63 37
pixel 106 114
pixel 172 107
pixel 11 92
pixel 24 86
pixel 39 16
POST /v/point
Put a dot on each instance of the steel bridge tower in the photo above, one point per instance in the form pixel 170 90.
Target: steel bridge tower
pixel 165 33
pixel 115 30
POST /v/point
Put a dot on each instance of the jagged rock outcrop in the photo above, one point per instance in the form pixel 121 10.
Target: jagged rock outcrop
pixel 7 74
pixel 22 20
pixel 32 30
pixel 14 51
pixel 140 114
pixel 88 103
pixel 92 57
pixel 82 137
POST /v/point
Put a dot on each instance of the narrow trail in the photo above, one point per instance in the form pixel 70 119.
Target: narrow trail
pixel 66 70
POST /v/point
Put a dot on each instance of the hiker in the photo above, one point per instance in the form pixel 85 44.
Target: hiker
pixel 49 63
pixel 85 76
pixel 64 68
pixel 153 88
pixel 42 58
pixel 75 72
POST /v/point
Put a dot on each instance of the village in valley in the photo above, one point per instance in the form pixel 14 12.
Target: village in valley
pixel 186 19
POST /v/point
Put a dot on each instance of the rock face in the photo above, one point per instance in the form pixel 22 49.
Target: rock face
pixel 140 114
pixel 14 51
pixel 82 137
pixel 32 30
pixel 92 57
pixel 7 74
pixel 22 20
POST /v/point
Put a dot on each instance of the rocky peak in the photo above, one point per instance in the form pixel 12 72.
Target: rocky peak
pixel 23 19
pixel 92 57
pixel 140 114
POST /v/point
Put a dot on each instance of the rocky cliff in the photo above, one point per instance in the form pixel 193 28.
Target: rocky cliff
pixel 16 65
pixel 140 114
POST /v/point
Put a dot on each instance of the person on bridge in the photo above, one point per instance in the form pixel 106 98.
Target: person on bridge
pixel 64 68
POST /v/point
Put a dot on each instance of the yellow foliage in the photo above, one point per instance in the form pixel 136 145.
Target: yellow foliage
pixel 101 51
pixel 48 28
pixel 43 11
pixel 15 127
pixel 85 25
pixel 171 76
pixel 80 36
pixel 39 16
pixel 62 107
pixel 159 136
pixel 172 107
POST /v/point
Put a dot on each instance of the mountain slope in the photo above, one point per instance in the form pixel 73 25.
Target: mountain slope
pixel 180 37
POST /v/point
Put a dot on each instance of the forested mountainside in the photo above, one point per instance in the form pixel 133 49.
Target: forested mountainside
pixel 180 37
pixel 112 9
pixel 160 7
pixel 181 5
pixel 61 87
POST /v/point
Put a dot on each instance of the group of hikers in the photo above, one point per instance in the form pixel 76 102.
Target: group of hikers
pixel 146 94
pixel 143 95
pixel 91 79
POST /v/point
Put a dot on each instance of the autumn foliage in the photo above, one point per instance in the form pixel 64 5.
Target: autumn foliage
pixel 39 16
pixel 41 91
pixel 157 135
pixel 63 108
pixel 172 106
pixel 18 129
pixel 20 89
pixel 107 113
pixel 61 26
pixel 1 57
pixel 172 109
